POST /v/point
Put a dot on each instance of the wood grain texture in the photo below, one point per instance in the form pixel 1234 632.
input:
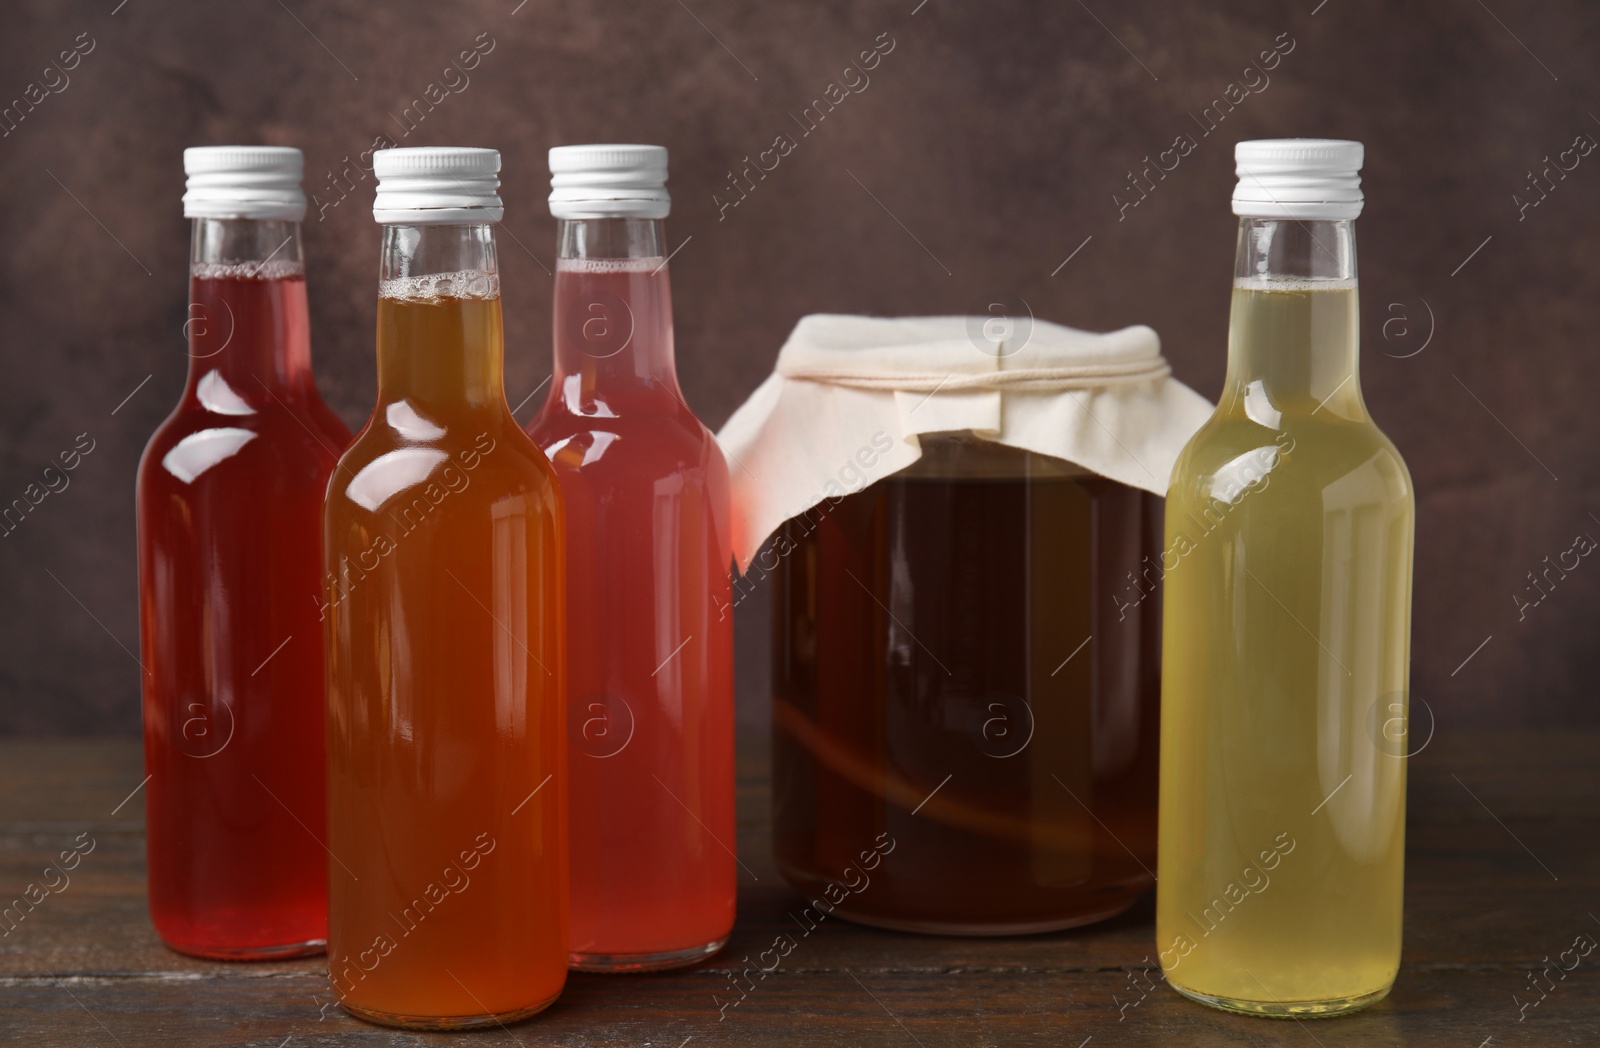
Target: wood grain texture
pixel 1493 888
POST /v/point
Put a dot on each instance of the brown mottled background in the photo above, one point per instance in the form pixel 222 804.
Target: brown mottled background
pixel 991 139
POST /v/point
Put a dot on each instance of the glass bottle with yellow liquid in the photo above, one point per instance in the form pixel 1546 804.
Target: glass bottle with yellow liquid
pixel 443 610
pixel 1287 573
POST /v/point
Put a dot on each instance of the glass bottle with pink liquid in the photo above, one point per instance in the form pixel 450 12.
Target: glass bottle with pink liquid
pixel 649 636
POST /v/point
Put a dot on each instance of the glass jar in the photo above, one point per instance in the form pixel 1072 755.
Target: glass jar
pixel 966 689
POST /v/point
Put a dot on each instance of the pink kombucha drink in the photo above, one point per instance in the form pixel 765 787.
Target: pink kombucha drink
pixel 649 626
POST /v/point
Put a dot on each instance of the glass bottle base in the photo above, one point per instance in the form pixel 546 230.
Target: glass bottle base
pixel 283 952
pixel 447 1022
pixel 643 962
pixel 1275 1009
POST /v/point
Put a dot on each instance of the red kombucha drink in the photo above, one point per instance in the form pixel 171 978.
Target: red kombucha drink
pixel 229 506
pixel 649 626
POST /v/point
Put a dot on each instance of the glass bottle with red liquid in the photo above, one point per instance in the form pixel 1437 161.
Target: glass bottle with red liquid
pixel 229 507
pixel 446 749
pixel 650 637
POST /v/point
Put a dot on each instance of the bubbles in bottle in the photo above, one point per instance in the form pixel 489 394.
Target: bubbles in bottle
pixel 1295 283
pixel 610 265
pixel 434 288
pixel 271 269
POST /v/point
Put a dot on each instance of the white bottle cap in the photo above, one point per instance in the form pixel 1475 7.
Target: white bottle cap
pixel 1299 178
pixel 437 185
pixel 609 182
pixel 243 182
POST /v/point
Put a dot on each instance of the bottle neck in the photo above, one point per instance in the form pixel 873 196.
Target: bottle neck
pixel 247 325
pixel 612 312
pixel 1293 341
pixel 441 345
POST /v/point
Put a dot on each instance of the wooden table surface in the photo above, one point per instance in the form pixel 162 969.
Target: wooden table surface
pixel 1503 874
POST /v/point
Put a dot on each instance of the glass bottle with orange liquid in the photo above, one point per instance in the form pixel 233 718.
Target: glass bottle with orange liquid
pixel 443 597
pixel 650 636
pixel 229 505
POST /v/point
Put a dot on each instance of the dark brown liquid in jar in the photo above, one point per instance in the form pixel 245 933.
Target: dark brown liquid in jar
pixel 966 688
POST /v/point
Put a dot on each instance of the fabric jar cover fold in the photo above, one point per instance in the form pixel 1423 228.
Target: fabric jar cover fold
pixel 814 429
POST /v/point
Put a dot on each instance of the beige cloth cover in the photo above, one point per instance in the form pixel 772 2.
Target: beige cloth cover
pixel 852 396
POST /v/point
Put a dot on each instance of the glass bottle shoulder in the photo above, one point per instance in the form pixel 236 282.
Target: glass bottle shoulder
pixel 1322 456
pixel 402 453
pixel 638 438
pixel 217 431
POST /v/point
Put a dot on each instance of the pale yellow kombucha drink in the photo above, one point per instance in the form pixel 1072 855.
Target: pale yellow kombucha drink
pixel 1287 575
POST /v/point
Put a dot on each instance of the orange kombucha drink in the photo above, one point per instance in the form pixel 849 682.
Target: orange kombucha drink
pixel 443 603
